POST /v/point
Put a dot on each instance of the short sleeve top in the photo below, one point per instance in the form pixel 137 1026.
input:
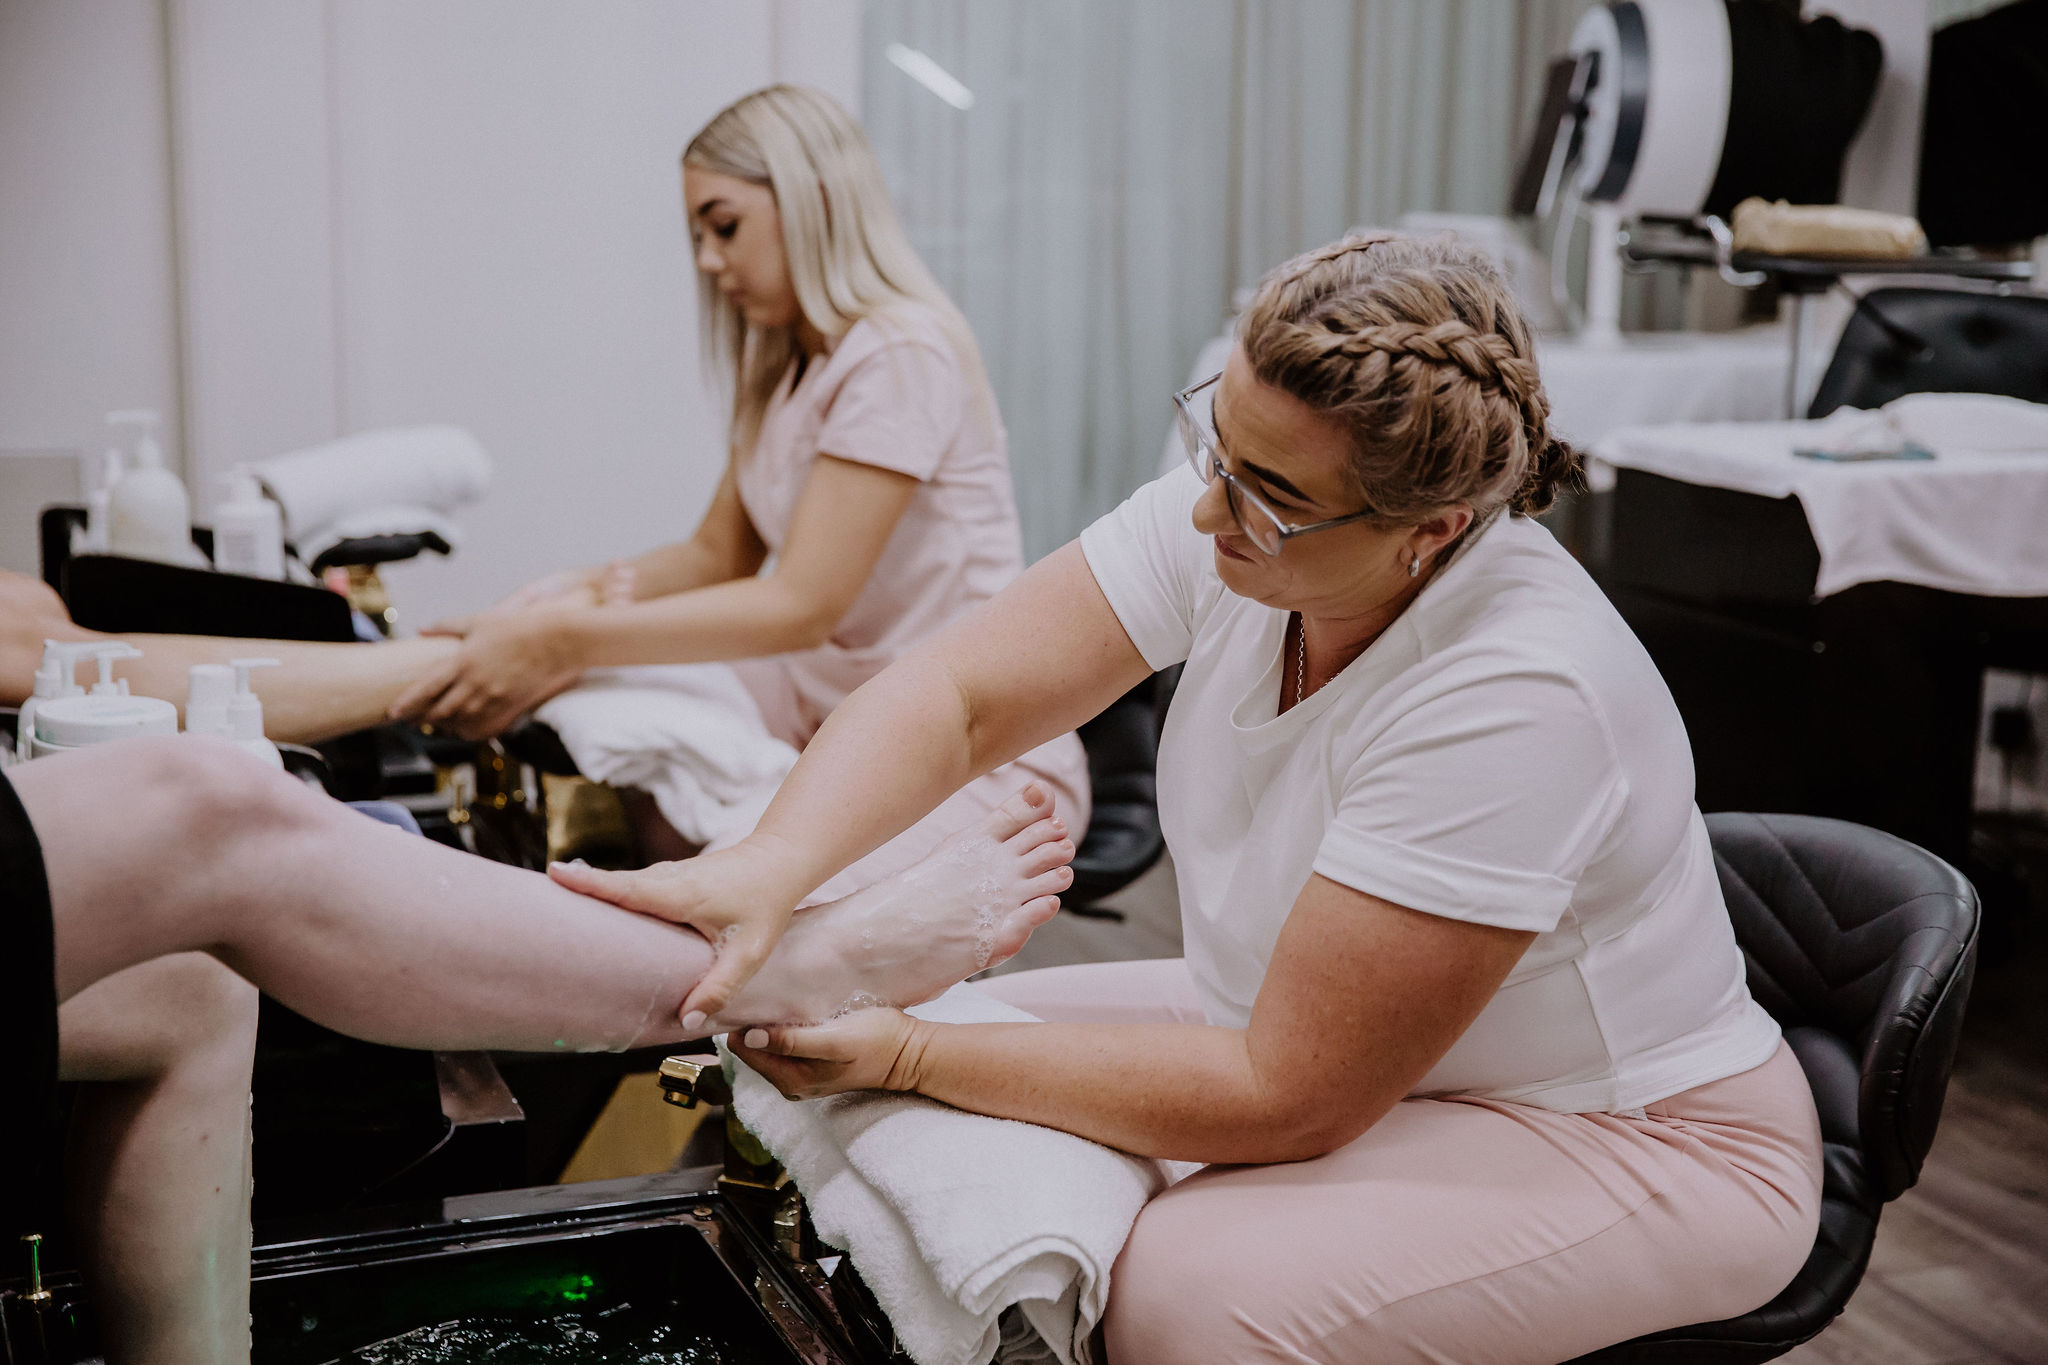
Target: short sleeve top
pixel 1504 753
pixel 890 393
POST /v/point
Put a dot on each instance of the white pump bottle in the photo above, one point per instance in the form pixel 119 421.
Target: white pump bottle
pixel 220 703
pixel 148 514
pixel 97 481
pixel 73 721
pixel 248 529
pixel 56 677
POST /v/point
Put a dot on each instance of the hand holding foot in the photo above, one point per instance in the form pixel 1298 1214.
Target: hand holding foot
pixel 872 1049
pixel 739 898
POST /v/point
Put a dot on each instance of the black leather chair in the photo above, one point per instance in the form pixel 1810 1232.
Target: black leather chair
pixel 1901 341
pixel 1123 839
pixel 1863 947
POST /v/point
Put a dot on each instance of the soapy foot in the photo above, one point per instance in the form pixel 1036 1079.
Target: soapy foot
pixel 969 905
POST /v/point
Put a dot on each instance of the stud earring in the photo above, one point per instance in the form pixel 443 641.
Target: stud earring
pixel 1415 566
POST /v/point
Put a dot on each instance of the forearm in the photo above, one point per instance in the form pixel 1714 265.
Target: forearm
pixel 1040 659
pixel 318 691
pixel 742 619
pixel 676 568
pixel 1186 1092
pixel 886 757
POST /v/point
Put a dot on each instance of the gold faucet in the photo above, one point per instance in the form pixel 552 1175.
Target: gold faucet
pixel 36 1293
pixel 686 1079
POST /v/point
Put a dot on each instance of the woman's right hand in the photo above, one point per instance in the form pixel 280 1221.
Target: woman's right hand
pixel 740 898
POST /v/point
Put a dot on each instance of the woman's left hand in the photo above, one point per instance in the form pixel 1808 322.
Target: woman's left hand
pixel 507 666
pixel 870 1049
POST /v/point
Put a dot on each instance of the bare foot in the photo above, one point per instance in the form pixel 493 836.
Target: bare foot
pixel 971 904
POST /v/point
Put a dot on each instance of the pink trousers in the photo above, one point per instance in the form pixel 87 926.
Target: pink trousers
pixel 1463 1231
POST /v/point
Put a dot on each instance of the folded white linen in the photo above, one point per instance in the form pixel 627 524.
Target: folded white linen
pixel 1962 423
pixel 391 519
pixel 689 734
pixel 439 468
pixel 1967 521
pixel 953 1218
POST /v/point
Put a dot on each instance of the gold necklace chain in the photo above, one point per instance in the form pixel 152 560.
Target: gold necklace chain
pixel 1301 659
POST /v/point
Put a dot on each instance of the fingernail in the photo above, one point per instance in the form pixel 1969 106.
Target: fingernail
pixel 757 1037
pixel 694 1020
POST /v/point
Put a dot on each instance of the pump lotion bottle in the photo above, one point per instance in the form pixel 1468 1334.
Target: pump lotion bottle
pixel 220 703
pixel 148 514
pixel 248 529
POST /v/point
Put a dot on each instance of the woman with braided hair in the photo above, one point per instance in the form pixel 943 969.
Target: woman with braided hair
pixel 1462 1025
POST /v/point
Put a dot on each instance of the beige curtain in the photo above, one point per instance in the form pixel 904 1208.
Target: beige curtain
pixel 1125 166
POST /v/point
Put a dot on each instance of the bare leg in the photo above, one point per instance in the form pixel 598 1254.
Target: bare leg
pixel 320 691
pixel 166 846
pixel 159 1156
pixel 162 851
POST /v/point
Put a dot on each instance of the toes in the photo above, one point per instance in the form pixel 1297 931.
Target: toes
pixel 1050 882
pixel 1030 804
pixel 1017 926
pixel 1037 911
pixel 1046 830
pixel 1045 857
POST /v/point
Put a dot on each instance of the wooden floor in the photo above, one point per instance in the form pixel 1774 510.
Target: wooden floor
pixel 1960 1273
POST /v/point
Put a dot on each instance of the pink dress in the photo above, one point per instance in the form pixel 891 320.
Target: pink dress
pixel 892 394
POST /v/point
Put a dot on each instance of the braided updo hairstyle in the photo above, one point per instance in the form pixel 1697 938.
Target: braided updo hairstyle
pixel 1415 346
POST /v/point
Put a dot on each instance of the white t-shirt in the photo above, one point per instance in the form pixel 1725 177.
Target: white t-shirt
pixel 1504 753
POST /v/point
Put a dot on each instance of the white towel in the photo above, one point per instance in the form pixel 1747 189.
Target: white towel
pixel 1956 423
pixel 689 734
pixel 1967 521
pixel 953 1217
pixel 433 468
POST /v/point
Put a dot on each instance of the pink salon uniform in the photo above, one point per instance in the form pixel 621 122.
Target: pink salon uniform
pixel 891 393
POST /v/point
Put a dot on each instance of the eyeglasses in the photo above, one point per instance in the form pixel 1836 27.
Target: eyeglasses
pixel 1254 516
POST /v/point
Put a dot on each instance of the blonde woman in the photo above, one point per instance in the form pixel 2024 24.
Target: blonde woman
pixel 1462 1024
pixel 867 458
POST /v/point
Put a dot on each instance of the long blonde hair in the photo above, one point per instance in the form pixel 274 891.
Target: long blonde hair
pixel 1416 347
pixel 848 256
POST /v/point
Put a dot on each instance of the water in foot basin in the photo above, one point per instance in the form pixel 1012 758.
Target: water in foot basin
pixel 623 1335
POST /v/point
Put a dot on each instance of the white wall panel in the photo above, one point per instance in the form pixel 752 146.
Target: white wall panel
pixel 514 259
pixel 87 299
pixel 255 242
pixel 281 220
pixel 818 42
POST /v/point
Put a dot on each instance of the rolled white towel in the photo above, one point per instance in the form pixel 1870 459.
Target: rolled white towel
pixel 953 1218
pixel 688 734
pixel 438 468
pixel 387 519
